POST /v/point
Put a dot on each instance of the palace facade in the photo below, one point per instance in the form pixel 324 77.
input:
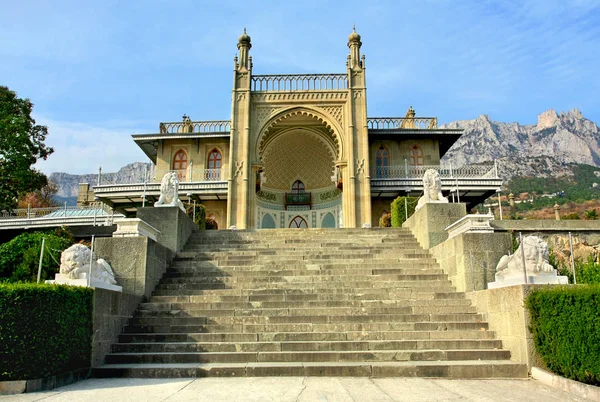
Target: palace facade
pixel 299 151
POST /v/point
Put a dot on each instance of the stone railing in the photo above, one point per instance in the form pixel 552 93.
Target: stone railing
pixel 190 174
pixel 299 82
pixel 391 123
pixel 407 171
pixel 188 126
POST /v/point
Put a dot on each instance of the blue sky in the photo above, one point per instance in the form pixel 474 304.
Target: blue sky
pixel 100 71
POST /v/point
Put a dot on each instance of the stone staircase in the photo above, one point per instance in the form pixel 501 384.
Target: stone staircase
pixel 307 302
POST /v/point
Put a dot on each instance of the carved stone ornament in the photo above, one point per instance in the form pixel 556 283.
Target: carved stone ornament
pixel 538 270
pixel 75 269
pixel 169 192
pixel 239 169
pixel 432 189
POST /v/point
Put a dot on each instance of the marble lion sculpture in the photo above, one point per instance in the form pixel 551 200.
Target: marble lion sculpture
pixel 432 189
pixel 536 260
pixel 169 192
pixel 75 261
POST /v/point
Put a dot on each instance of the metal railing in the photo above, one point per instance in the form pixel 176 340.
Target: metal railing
pixel 299 82
pixel 188 126
pixel 190 174
pixel 390 123
pixel 417 172
pixel 298 199
pixel 97 209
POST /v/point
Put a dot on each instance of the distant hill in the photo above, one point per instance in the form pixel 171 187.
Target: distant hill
pixel 549 148
pixel 68 184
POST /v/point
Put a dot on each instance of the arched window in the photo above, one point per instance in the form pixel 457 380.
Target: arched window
pixel 298 187
pixel 382 162
pixel 213 165
pixel 416 156
pixel 298 222
pixel 180 164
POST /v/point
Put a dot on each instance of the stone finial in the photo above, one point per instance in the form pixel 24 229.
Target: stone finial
pixel 354 44
pixel 557 211
pixel 511 199
pixel 244 45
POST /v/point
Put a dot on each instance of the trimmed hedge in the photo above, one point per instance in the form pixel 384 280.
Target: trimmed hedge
pixel 45 330
pixel 565 322
pixel 398 212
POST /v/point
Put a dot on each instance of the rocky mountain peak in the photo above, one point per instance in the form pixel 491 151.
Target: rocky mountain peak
pixel 549 118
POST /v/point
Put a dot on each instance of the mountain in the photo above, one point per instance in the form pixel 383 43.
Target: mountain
pixel 68 184
pixel 547 148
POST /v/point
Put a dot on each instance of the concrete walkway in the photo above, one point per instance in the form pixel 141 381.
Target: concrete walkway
pixel 319 389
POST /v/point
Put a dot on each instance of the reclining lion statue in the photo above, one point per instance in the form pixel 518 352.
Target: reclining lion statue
pixel 75 261
pixel 536 260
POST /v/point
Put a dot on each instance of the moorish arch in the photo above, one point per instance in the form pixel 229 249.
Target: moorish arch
pixel 301 117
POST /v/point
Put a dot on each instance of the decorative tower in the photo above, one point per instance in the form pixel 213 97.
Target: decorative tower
pixel 239 173
pixel 357 201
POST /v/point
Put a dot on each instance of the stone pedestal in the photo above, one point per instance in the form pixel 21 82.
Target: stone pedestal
pixel 429 223
pixel 60 279
pixel 547 279
pixel 134 227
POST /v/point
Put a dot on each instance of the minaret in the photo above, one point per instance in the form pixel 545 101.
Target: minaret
pixel 244 45
pixel 354 44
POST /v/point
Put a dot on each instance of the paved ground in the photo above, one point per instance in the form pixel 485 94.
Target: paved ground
pixel 317 389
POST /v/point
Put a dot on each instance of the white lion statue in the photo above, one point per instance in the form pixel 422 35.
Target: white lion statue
pixel 432 189
pixel 536 260
pixel 169 192
pixel 75 261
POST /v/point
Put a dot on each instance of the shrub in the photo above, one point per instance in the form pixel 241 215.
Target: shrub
pixel 385 221
pixel 398 211
pixel 19 257
pixel 565 322
pixel 591 214
pixel 571 216
pixel 200 219
pixel 45 330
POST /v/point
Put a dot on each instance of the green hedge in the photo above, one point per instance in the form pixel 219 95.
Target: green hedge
pixel 398 212
pixel 565 322
pixel 45 330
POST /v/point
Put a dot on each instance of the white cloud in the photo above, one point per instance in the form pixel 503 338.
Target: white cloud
pixel 82 148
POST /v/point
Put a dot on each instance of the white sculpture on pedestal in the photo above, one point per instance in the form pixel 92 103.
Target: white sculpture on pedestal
pixel 538 270
pixel 75 269
pixel 432 189
pixel 169 192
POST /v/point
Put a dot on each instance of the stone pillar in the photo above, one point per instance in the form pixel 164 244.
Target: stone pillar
pixel 556 211
pixel 511 200
pixel 429 223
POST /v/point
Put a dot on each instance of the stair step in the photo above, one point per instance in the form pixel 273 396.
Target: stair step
pixel 479 369
pixel 354 302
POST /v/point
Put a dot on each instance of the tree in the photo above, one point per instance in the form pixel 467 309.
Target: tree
pixel 21 145
pixel 42 198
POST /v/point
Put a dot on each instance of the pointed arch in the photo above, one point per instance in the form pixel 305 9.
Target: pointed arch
pixel 180 163
pixel 214 162
pixel 382 162
pixel 416 156
pixel 298 222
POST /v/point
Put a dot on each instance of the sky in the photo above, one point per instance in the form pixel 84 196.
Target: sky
pixel 99 71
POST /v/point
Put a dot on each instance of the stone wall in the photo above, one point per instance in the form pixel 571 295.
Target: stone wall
pixel 466 273
pixel 504 310
pixel 428 224
pixel 138 262
pixel 111 312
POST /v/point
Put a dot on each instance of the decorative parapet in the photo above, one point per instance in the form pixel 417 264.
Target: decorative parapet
pixel 417 172
pixel 392 123
pixel 473 223
pixel 299 82
pixel 188 126
pixel 135 227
